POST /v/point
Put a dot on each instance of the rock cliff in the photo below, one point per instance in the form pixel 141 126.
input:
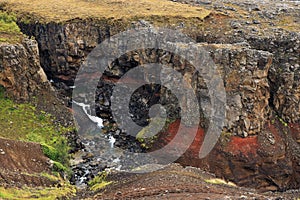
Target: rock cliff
pixel 21 73
pixel 257 55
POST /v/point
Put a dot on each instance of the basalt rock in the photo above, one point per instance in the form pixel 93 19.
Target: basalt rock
pixel 63 47
pixel 260 69
pixel 21 73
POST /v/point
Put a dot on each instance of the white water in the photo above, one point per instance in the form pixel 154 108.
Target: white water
pixel 85 108
pixel 112 141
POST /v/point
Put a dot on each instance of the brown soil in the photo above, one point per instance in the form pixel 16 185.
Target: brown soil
pixel 22 164
pixel 176 182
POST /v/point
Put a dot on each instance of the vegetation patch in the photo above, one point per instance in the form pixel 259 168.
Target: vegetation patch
pixel 99 182
pixel 65 191
pixel 219 181
pixel 61 11
pixel 282 121
pixel 9 30
pixel 23 122
pixel 147 136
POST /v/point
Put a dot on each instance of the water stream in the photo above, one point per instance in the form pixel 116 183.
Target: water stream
pixel 99 152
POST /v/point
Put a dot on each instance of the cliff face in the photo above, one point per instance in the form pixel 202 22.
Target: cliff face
pixel 259 146
pixel 284 74
pixel 256 54
pixel 21 73
pixel 64 47
pixel 25 80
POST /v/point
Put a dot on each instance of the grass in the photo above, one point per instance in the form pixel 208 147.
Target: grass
pixel 38 193
pixel 99 182
pixel 219 181
pixel 289 23
pixel 24 122
pixel 9 30
pixel 63 10
pixel 146 136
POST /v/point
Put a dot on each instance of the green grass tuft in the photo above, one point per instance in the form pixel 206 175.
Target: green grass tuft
pixel 9 30
pixel 99 182
pixel 64 192
pixel 24 122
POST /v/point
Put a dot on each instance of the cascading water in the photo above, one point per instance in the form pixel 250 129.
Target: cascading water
pixel 99 152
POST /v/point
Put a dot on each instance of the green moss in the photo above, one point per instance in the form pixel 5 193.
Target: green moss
pixel 62 169
pixel 64 192
pixel 146 137
pixel 9 30
pixel 24 122
pixel 282 121
pixel 219 181
pixel 51 177
pixel 99 182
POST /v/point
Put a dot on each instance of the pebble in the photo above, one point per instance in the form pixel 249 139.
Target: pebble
pixel 2 152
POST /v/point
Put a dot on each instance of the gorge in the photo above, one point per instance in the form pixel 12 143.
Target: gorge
pixel 255 46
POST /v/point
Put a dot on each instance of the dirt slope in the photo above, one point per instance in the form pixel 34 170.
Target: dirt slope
pixel 23 163
pixel 176 182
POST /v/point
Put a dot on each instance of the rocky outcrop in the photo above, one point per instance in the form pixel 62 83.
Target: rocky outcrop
pixel 245 75
pixel 255 146
pixel 284 74
pixel 259 63
pixel 20 70
pixel 63 47
pixel 25 80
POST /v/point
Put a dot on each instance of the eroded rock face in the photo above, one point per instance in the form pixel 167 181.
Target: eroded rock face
pixel 245 72
pixel 20 70
pixel 25 80
pixel 245 75
pixel 261 78
pixel 64 47
pixel 284 74
pixel 255 146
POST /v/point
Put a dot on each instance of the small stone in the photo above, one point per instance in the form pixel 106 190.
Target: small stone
pixel 235 25
pixel 243 197
pixel 2 152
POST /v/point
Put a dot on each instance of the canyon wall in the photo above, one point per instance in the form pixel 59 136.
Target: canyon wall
pixel 259 146
pixel 21 73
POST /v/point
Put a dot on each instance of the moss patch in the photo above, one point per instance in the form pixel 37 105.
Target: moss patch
pixel 9 30
pixel 65 191
pixel 99 182
pixel 24 122
pixel 219 181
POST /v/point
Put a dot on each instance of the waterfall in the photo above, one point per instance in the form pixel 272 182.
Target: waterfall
pixel 85 108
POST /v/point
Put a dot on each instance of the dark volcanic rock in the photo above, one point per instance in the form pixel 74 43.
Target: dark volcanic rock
pixel 257 54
